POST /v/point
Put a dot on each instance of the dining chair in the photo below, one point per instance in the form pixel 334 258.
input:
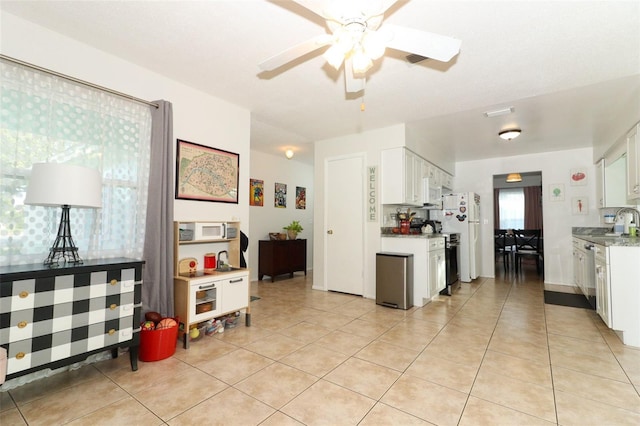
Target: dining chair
pixel 502 247
pixel 527 244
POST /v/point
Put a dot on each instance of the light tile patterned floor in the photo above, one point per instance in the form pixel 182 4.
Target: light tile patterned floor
pixel 492 354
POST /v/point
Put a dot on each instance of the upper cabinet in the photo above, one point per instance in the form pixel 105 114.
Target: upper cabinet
pixel 403 173
pixel 401 177
pixel 618 174
pixel 633 168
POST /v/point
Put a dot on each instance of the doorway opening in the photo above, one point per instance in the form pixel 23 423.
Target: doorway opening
pixel 518 225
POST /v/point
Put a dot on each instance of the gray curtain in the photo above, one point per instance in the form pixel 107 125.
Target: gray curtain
pixel 157 288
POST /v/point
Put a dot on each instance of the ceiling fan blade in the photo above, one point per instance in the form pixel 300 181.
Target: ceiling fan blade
pixel 435 46
pixel 295 52
pixel 352 83
pixel 317 7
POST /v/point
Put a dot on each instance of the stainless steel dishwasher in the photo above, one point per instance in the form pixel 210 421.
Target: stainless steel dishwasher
pixel 394 280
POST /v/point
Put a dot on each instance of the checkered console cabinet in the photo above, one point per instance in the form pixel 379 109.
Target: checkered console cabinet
pixel 54 317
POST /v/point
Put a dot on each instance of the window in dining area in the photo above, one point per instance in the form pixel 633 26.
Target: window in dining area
pixel 511 205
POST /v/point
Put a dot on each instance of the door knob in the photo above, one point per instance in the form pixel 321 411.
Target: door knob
pixel 330 231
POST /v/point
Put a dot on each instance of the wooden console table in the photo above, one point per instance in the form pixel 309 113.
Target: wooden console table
pixel 277 257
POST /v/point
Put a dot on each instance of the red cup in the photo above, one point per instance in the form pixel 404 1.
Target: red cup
pixel 210 261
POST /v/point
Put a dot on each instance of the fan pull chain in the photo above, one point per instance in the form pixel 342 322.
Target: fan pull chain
pixel 362 106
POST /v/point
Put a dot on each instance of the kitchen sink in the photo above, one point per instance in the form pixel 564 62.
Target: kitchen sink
pixel 227 268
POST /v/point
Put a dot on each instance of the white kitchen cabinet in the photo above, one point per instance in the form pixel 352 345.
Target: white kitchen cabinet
pixel 437 266
pixel 603 291
pixel 633 168
pixel 401 177
pixel 579 264
pixel 624 276
pixel 600 179
pixel 423 287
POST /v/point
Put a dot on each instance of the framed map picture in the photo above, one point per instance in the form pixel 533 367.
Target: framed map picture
pixel 280 196
pixel 206 174
pixel 301 197
pixel 256 192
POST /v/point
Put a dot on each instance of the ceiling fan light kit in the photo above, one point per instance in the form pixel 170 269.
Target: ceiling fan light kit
pixel 509 134
pixel 356 41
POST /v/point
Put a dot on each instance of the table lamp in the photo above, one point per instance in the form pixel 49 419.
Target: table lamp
pixel 65 185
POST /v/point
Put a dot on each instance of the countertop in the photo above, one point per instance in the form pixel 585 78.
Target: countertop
pixel 385 235
pixel 598 236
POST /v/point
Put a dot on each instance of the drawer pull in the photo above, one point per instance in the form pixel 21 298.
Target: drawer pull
pixel 239 280
pixel 22 324
pixel 113 282
pixel 20 355
pixel 24 294
pixel 207 287
pixel 113 330
pixel 113 306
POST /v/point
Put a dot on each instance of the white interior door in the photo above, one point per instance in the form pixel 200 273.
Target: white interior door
pixel 344 227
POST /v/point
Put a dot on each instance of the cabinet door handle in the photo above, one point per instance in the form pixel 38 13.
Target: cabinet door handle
pixel 330 231
pixel 23 294
pixel 22 324
pixel 112 331
pixel 207 287
pixel 113 306
pixel 238 280
pixel 113 282
pixel 20 355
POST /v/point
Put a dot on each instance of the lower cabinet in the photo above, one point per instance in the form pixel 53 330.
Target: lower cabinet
pixel 603 290
pixel 278 257
pixel 429 264
pixel 437 267
pixel 52 317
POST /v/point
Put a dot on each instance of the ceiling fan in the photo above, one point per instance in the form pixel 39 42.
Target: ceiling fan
pixel 357 39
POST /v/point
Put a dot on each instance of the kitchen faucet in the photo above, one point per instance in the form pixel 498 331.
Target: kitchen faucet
pixel 632 210
pixel 220 262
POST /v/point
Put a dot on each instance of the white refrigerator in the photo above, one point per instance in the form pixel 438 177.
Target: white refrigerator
pixel 461 214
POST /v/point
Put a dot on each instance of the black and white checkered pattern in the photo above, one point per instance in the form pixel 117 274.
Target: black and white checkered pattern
pixel 53 317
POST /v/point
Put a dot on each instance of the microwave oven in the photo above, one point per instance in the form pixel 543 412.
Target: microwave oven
pixel 432 197
pixel 210 231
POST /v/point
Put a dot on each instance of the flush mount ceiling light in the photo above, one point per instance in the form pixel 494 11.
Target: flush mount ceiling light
pixel 510 134
pixel 514 177
pixel 289 154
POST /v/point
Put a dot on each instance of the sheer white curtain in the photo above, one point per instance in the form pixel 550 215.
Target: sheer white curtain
pixel 44 118
pixel 511 203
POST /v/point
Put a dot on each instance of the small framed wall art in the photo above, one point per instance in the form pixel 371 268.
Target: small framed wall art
pixel 280 196
pixel 256 192
pixel 578 177
pixel 301 197
pixel 556 192
pixel 579 205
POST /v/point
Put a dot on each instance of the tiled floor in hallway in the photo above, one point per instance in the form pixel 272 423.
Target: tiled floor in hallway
pixel 491 354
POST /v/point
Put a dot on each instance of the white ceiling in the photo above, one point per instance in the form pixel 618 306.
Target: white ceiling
pixel 571 69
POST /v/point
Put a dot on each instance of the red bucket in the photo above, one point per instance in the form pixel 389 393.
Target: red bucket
pixel 158 344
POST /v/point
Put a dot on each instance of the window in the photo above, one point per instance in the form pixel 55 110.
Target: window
pixel 511 203
pixel 44 118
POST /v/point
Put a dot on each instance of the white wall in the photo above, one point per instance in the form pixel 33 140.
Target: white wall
pixel 477 176
pixel 265 219
pixel 369 143
pixel 198 117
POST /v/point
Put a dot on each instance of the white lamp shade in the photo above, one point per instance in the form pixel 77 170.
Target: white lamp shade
pixel 53 184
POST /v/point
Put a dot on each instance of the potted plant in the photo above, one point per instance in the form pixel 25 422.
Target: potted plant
pixel 293 228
